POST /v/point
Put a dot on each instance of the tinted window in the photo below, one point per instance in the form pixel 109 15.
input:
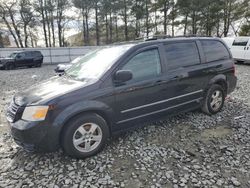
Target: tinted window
pixel 37 53
pixel 21 55
pixel 214 50
pixel 240 42
pixel 144 65
pixel 181 54
pixel 29 54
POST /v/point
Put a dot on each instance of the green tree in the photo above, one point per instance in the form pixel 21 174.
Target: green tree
pixel 245 30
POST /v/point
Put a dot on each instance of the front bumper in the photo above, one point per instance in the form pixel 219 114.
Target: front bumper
pixel 33 136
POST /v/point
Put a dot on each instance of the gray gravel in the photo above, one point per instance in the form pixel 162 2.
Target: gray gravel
pixel 189 150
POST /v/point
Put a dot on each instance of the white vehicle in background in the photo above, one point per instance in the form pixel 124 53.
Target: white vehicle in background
pixel 229 41
pixel 240 48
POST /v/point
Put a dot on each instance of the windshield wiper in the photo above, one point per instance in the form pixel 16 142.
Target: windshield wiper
pixel 68 76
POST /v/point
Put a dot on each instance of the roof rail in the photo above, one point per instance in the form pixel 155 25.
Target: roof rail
pixel 125 42
pixel 156 37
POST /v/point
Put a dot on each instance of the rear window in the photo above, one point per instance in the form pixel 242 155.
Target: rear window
pixel 240 42
pixel 214 50
pixel 181 54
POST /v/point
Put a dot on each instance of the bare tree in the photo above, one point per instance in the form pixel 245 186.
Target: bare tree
pixel 40 8
pixel 27 17
pixel 61 6
pixel 4 16
pixel 11 10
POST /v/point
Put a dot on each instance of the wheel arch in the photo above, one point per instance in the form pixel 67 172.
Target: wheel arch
pixel 77 109
pixel 99 112
pixel 220 80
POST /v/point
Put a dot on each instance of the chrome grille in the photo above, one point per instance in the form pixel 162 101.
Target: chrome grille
pixel 12 111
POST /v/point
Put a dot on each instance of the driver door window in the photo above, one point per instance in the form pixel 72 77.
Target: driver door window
pixel 20 56
pixel 145 65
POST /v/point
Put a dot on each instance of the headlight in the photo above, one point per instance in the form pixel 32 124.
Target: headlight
pixel 35 113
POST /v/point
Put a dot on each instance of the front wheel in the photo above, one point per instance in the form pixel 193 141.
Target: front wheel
pixel 214 100
pixel 85 135
pixel 9 66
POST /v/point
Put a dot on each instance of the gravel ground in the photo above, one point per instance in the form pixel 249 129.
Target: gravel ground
pixel 189 150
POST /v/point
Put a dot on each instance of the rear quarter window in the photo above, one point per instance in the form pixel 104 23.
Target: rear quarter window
pixel 214 50
pixel 38 53
pixel 181 54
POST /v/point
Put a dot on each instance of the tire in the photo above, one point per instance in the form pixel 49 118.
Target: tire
pixel 38 63
pixel 9 66
pixel 77 137
pixel 214 100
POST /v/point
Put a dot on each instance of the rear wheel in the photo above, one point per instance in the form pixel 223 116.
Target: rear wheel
pixel 85 135
pixel 39 63
pixel 214 100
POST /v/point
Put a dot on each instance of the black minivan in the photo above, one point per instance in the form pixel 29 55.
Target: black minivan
pixel 114 88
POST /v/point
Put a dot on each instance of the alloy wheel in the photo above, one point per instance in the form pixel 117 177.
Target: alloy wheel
pixel 216 100
pixel 87 137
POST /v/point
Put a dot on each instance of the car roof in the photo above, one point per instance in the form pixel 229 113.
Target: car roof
pixel 155 41
pixel 26 51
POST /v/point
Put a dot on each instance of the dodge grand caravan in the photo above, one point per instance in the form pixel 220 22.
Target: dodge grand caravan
pixel 114 88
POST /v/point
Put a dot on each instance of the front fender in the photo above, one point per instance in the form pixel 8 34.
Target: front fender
pixel 56 127
pixel 80 107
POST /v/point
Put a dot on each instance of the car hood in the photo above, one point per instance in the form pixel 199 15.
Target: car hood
pixel 47 91
pixel 6 59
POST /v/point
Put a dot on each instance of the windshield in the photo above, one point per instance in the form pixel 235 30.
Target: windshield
pixel 95 64
pixel 13 55
pixel 78 59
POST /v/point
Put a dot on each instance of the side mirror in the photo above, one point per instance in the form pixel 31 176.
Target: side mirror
pixel 123 76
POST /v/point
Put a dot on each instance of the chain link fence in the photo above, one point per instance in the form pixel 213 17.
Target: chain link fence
pixel 53 55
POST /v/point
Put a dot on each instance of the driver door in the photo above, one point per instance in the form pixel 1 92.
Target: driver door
pixel 20 59
pixel 132 97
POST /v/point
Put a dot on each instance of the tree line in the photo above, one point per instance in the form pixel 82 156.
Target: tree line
pixel 107 21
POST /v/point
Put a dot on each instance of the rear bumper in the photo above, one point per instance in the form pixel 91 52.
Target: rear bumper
pixel 236 60
pixel 33 136
pixel 232 82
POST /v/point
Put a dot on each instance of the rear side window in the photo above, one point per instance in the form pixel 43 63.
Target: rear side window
pixel 29 54
pixel 240 42
pixel 181 54
pixel 214 50
pixel 144 65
